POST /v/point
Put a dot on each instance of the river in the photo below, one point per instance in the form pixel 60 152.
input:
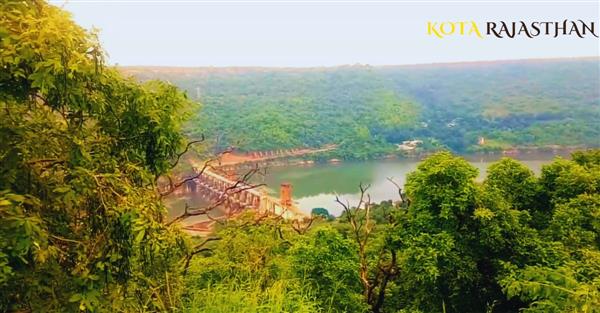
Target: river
pixel 315 186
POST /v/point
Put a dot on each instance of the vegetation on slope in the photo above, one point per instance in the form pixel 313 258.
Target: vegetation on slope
pixel 368 109
pixel 81 224
pixel 514 242
pixel 82 227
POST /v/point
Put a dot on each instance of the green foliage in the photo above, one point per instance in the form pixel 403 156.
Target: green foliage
pixel 443 187
pixel 321 212
pixel 516 104
pixel 329 265
pixel 83 228
pixel 570 283
pixel 247 270
pixel 80 149
pixel 462 244
pixel 555 290
pixel 577 222
pixel 457 246
pixel 282 296
pixel 508 175
pixel 267 267
pixel 435 252
pixel 588 158
pixel 252 252
pixel 565 179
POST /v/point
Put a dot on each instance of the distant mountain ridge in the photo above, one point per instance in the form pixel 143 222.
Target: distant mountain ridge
pixel 147 71
pixel 366 108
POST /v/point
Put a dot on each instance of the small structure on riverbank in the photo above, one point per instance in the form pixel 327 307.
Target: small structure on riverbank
pixel 409 145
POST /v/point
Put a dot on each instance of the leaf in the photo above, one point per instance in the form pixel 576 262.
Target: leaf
pixel 140 236
pixel 75 297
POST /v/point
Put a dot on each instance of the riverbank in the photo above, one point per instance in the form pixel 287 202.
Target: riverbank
pixel 316 185
pixel 531 153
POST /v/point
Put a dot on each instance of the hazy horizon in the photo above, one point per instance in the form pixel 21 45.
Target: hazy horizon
pixel 308 34
pixel 472 62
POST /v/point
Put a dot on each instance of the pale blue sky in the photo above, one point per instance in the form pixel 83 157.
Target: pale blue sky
pixel 201 33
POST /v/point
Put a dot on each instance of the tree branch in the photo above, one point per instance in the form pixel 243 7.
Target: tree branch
pixel 404 201
pixel 238 186
pixel 197 249
pixel 187 147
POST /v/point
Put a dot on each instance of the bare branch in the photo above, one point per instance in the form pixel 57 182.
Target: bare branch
pixel 174 186
pixel 391 180
pixel 359 217
pixel 187 147
pixel 240 185
pixel 187 213
pixel 207 240
pixel 300 228
pixel 220 201
pixel 404 201
pixel 207 164
pixel 197 249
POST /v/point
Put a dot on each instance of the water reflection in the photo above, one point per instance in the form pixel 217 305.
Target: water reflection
pixel 177 203
pixel 316 186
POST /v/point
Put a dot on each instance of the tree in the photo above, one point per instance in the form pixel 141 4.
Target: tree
pixel 443 187
pixel 80 150
pixel 454 237
pixel 515 181
pixel 565 179
pixel 322 212
pixel 564 277
pixel 588 158
pixel 251 264
pixel 577 222
pixel 328 263
pixel 377 259
pixel 562 289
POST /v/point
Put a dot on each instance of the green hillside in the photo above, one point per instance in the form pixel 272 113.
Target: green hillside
pixel 368 109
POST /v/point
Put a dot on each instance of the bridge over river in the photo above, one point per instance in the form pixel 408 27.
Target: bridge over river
pixel 236 196
pixel 234 159
pixel 218 186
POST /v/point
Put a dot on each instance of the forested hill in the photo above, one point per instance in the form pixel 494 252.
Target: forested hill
pixel 367 109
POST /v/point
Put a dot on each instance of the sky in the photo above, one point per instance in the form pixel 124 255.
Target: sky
pixel 302 33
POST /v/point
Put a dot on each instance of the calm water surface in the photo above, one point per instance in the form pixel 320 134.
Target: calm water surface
pixel 316 185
